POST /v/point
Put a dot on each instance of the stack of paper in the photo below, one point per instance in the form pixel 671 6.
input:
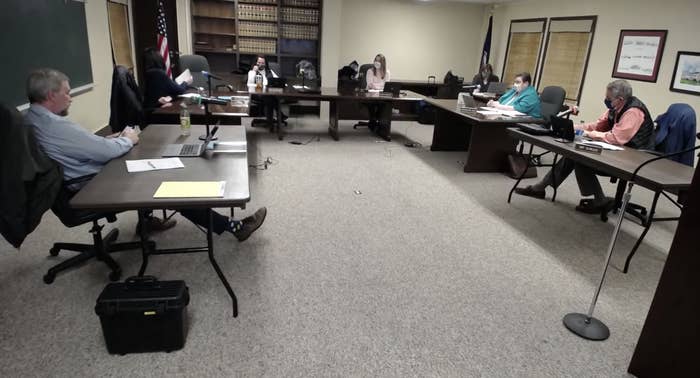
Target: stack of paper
pixel 144 165
pixel 190 189
pixel 510 113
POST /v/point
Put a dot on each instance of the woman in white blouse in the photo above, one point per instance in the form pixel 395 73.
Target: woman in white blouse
pixel 379 74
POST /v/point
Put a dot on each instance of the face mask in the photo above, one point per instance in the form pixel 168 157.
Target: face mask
pixel 516 87
pixel 377 65
pixel 485 74
pixel 608 103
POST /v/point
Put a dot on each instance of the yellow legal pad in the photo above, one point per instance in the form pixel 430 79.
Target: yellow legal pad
pixel 190 189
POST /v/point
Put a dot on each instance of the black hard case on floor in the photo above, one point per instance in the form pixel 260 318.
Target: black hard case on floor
pixel 143 314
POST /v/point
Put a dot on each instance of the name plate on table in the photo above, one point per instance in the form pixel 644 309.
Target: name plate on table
pixel 588 148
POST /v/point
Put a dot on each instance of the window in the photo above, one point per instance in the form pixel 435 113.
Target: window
pixel 524 46
pixel 119 33
pixel 566 54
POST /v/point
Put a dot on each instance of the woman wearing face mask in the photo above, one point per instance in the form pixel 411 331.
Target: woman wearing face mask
pixel 522 97
pixel 485 77
pixel 378 75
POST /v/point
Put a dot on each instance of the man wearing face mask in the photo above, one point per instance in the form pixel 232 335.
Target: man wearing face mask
pixel 522 97
pixel 485 77
pixel 626 121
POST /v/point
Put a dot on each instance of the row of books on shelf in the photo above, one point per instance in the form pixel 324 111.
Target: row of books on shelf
pixel 302 3
pixel 309 16
pixel 265 46
pixel 257 12
pixel 257 29
pixel 300 31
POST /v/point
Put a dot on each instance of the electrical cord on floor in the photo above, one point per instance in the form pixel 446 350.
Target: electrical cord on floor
pixel 269 161
pixel 410 144
pixel 298 143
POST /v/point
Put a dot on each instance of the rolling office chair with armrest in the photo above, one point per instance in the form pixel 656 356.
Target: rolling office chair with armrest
pixel 101 246
pixel 362 78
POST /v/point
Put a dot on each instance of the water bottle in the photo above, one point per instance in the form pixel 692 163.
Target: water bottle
pixel 258 80
pixel 185 124
pixel 478 88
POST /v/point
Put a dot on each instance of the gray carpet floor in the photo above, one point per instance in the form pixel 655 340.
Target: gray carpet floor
pixel 427 272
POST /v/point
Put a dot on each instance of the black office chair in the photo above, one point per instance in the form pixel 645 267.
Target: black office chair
pixel 126 102
pixel 551 103
pixel 101 246
pixel 362 79
pixel 196 64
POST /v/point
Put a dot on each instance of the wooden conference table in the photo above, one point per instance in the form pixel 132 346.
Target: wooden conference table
pixel 115 189
pixel 334 97
pixel 659 176
pixel 484 137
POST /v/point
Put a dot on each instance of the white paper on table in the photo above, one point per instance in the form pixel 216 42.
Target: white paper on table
pixel 300 87
pixel 512 113
pixel 144 165
pixel 606 146
pixel 490 109
pixel 488 112
pixel 189 95
pixel 185 76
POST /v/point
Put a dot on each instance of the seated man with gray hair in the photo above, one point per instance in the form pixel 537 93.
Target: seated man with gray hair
pixel 81 153
pixel 626 122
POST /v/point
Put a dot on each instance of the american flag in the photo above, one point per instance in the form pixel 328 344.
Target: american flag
pixel 163 38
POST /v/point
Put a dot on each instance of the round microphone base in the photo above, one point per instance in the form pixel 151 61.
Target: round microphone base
pixel 588 328
pixel 204 137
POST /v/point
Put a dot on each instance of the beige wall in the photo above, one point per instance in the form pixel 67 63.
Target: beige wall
pixel 679 17
pixel 418 39
pixel 91 109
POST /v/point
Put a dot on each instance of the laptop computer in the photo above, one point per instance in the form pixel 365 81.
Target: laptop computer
pixel 276 82
pixel 562 129
pixel 191 149
pixel 468 102
pixel 393 88
pixel 497 88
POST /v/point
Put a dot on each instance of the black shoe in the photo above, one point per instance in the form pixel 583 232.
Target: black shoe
pixel 531 192
pixel 590 206
pixel 250 224
pixel 156 224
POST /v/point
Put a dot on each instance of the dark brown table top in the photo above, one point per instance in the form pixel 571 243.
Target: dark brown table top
pixel 116 189
pixel 660 175
pixel 451 106
pixel 328 94
pixel 238 107
pixel 426 83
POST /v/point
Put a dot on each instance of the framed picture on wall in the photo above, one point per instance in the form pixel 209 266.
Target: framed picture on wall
pixel 686 74
pixel 639 54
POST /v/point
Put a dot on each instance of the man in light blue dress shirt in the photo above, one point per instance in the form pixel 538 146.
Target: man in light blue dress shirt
pixel 82 153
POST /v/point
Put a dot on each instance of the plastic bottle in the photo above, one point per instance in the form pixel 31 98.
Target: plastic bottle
pixel 185 124
pixel 258 80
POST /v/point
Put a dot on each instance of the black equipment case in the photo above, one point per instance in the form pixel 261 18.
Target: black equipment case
pixel 143 314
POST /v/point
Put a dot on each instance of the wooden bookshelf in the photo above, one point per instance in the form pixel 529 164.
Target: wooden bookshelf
pixel 230 33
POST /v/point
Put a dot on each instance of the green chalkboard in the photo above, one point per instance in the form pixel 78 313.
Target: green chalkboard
pixel 42 33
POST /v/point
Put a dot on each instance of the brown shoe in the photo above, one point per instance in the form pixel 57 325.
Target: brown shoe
pixel 530 191
pixel 156 224
pixel 250 224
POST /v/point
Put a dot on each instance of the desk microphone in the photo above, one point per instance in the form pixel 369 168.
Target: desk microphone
pixel 211 75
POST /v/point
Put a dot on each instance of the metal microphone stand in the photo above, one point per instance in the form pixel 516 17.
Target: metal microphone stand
pixel 585 325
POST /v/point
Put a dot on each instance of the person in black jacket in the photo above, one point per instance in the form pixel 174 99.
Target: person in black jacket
pixel 160 88
pixel 126 102
pixel 485 77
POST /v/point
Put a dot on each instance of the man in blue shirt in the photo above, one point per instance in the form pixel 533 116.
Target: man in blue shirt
pixel 81 152
pixel 522 97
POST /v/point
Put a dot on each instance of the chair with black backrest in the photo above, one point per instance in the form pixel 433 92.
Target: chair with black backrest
pixel 675 131
pixel 551 103
pixel 101 246
pixel 362 78
pixel 126 102
pixel 196 64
